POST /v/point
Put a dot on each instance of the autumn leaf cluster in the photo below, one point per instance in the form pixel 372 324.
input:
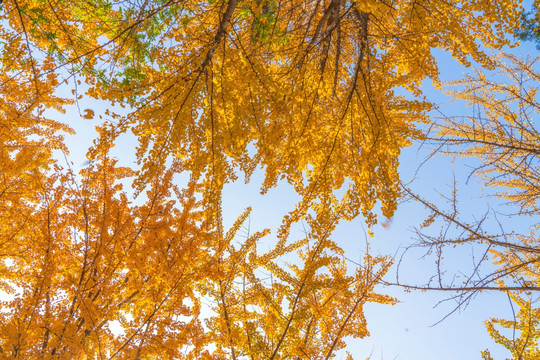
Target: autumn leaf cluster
pixel 308 91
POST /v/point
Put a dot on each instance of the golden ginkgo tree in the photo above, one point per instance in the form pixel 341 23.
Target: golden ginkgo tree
pixel 305 90
pixel 91 275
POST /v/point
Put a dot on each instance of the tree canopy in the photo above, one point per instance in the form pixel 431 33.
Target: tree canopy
pixel 322 95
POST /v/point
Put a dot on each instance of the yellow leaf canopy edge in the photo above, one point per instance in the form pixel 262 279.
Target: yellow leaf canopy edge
pixel 307 90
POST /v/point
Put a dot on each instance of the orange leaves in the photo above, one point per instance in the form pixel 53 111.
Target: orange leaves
pixel 315 100
pixel 304 90
pixel 88 114
pixel 303 309
pixel 96 258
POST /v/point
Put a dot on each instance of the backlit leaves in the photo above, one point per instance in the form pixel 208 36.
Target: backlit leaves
pixel 309 91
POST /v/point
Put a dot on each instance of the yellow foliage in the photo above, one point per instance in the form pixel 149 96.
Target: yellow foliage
pixel 304 89
pixel 523 343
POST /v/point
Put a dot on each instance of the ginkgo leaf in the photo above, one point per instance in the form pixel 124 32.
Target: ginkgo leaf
pixel 88 114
